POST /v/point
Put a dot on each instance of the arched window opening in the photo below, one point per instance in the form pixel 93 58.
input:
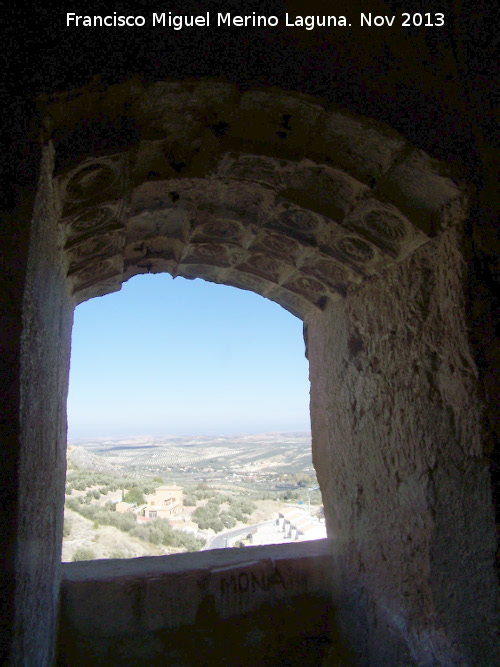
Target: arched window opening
pixel 188 423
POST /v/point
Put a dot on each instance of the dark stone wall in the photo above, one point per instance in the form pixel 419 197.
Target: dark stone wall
pixel 35 477
pixel 396 420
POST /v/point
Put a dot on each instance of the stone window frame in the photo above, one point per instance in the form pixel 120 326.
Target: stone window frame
pixel 403 174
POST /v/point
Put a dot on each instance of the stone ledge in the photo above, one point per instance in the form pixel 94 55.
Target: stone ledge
pixel 144 603
pixel 152 566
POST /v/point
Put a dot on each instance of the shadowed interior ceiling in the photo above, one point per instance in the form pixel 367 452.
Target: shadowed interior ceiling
pixel 263 190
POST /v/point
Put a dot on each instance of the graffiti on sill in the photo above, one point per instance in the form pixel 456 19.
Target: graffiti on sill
pixel 248 583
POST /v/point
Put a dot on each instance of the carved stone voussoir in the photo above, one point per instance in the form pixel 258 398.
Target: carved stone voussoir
pixel 96 247
pixel 351 250
pixel 386 227
pixel 295 303
pixel 362 147
pixel 244 280
pixel 308 287
pixel 258 168
pixel 321 188
pixel 97 272
pixel 261 265
pixel 94 181
pixel 219 229
pixel 298 223
pixel 211 253
pixel 278 245
pixel 204 271
pixel 94 220
pixel 331 274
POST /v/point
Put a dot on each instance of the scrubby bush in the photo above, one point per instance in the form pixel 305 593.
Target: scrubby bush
pixel 289 495
pixel 141 532
pixel 83 479
pixel 66 528
pixel 135 495
pixel 88 511
pixel 241 508
pixel 123 522
pixel 73 504
pixel 160 532
pixel 83 553
pixel 154 536
pixel 208 517
pixel 227 520
pixel 211 515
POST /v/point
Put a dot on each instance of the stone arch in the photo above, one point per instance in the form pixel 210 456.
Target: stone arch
pixel 263 190
pixel 357 232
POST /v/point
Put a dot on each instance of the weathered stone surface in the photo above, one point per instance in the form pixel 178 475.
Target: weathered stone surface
pixel 141 601
pixel 284 121
pixel 313 213
pixel 416 186
pixel 400 415
pixel 333 212
pixel 342 242
pixel 43 386
pixel 366 150
pixel 323 189
pixel 160 186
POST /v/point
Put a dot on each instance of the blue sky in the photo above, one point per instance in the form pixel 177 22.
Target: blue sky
pixel 182 357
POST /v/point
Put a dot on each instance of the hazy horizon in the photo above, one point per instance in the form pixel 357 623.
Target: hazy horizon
pixel 163 436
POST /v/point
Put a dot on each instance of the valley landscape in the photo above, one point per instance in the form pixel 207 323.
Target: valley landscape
pixel 234 488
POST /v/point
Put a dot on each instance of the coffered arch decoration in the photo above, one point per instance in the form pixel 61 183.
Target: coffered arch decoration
pixel 264 190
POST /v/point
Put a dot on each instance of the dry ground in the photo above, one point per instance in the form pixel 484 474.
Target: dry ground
pixel 105 541
pixel 110 542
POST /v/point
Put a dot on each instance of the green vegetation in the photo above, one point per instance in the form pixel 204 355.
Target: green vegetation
pixel 212 516
pixel 103 515
pixel 83 553
pixel 81 480
pixel 217 509
pixel 302 480
pixel 157 532
pixel 135 495
pixel 208 517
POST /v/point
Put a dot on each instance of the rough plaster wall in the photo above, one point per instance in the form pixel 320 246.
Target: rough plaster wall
pixel 396 443
pixel 45 349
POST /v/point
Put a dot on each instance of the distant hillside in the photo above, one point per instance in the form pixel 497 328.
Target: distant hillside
pixel 81 459
pixel 264 452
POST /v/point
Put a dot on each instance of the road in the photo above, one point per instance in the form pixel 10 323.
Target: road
pixel 221 540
